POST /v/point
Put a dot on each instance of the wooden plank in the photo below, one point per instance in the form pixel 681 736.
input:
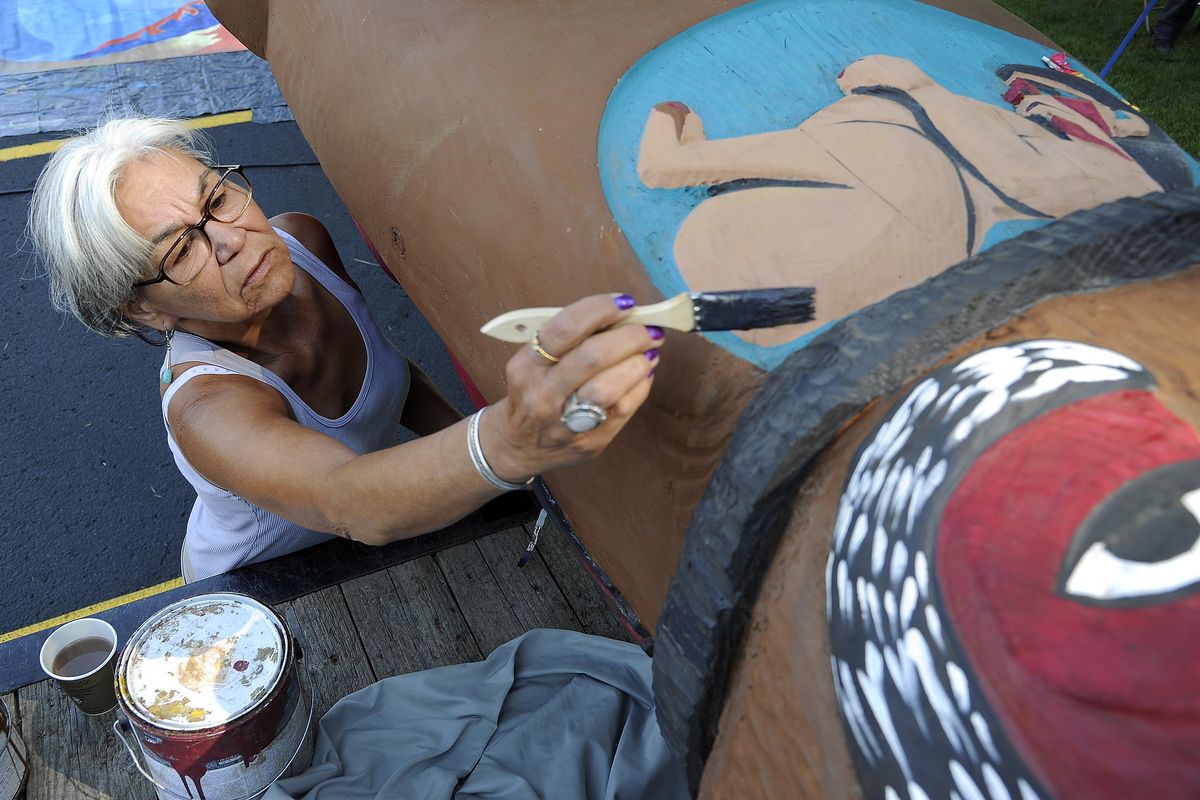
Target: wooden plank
pixel 408 619
pixel 74 755
pixel 487 612
pixel 335 660
pixel 581 592
pixel 11 766
pixel 532 594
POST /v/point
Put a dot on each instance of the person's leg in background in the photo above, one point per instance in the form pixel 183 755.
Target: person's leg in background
pixel 1173 18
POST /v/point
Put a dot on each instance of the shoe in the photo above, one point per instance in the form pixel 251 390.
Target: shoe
pixel 1166 52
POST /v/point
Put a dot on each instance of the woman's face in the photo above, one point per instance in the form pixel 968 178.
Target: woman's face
pixel 249 270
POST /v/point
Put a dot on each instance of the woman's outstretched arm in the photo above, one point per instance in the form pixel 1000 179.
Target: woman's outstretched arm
pixel 239 434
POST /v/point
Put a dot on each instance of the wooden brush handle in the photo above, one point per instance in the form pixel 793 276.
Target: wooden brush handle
pixel 522 324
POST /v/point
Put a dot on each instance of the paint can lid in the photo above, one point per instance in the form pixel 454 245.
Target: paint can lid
pixel 202 662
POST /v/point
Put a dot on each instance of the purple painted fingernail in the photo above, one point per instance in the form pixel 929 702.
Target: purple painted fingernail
pixel 650 374
pixel 624 301
pixel 652 354
pixel 655 332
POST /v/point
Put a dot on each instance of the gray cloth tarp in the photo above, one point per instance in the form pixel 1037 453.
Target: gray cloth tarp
pixel 551 714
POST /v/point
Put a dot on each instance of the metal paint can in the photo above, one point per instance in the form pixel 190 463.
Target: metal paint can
pixel 14 757
pixel 211 690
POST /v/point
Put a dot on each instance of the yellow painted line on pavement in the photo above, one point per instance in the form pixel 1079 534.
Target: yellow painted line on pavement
pixel 95 608
pixel 217 120
pixel 42 148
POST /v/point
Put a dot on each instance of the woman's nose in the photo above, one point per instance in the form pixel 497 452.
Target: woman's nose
pixel 227 239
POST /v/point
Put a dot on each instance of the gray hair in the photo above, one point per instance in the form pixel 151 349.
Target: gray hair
pixel 93 257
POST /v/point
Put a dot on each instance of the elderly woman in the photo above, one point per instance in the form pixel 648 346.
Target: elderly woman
pixel 280 395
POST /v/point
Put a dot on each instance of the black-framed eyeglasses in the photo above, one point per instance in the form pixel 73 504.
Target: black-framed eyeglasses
pixel 186 258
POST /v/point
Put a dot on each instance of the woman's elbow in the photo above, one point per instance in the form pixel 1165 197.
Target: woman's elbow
pixel 370 529
pixel 362 528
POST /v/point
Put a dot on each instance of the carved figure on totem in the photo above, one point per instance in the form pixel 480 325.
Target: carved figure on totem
pixel 1016 544
pixel 1008 546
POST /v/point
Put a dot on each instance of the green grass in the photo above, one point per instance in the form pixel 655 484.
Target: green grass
pixel 1168 92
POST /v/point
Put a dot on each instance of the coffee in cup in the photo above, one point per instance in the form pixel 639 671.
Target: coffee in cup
pixel 80 656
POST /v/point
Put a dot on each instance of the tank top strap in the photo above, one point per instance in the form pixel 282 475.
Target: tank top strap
pixel 320 272
pixel 187 347
pixel 177 384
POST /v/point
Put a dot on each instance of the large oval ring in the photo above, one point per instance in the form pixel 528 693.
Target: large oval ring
pixel 541 351
pixel 582 416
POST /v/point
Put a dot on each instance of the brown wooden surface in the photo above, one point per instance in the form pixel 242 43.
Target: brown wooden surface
pixel 447 608
pixel 462 137
pixel 781 732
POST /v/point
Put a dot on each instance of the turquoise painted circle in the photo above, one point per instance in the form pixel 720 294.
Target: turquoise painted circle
pixel 768 66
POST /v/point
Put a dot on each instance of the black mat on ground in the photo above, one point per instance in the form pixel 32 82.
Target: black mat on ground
pixel 93 506
pixel 190 86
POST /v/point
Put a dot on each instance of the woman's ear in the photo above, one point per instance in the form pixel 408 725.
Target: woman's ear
pixel 139 311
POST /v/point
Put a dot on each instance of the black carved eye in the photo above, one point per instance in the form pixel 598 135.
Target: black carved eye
pixel 1141 546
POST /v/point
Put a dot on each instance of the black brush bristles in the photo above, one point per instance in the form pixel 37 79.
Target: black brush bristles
pixel 753 308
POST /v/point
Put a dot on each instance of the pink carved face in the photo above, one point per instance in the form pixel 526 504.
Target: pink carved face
pixel 1013 584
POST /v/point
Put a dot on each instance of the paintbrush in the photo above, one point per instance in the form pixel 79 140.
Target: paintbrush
pixel 689 311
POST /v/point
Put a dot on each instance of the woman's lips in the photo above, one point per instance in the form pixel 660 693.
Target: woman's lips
pixel 259 271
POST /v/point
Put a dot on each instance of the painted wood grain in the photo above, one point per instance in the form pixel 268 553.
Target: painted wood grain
pixel 1127 243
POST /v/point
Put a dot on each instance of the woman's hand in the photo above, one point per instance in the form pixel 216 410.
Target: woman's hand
pixel 613 367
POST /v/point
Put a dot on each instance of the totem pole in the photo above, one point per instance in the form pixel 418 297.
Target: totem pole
pixel 938 542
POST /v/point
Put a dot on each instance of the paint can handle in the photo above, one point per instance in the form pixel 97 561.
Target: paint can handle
pixel 121 725
pixel 297 632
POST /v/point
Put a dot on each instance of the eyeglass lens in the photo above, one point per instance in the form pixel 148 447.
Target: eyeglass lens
pixel 227 203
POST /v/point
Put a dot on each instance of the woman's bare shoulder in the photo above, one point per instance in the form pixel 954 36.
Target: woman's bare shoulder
pixel 313 235
pixel 223 384
pixel 208 403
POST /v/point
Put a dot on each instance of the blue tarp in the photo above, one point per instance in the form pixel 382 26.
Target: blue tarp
pixel 65 64
pixel 67 30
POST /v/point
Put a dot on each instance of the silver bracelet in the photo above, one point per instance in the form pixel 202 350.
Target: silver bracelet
pixel 481 464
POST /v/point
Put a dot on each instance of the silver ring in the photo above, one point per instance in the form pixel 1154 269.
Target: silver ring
pixel 582 416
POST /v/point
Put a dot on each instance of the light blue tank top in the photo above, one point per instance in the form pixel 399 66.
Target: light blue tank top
pixel 224 531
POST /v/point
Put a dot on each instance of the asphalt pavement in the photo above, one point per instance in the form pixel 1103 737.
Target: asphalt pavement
pixel 92 506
